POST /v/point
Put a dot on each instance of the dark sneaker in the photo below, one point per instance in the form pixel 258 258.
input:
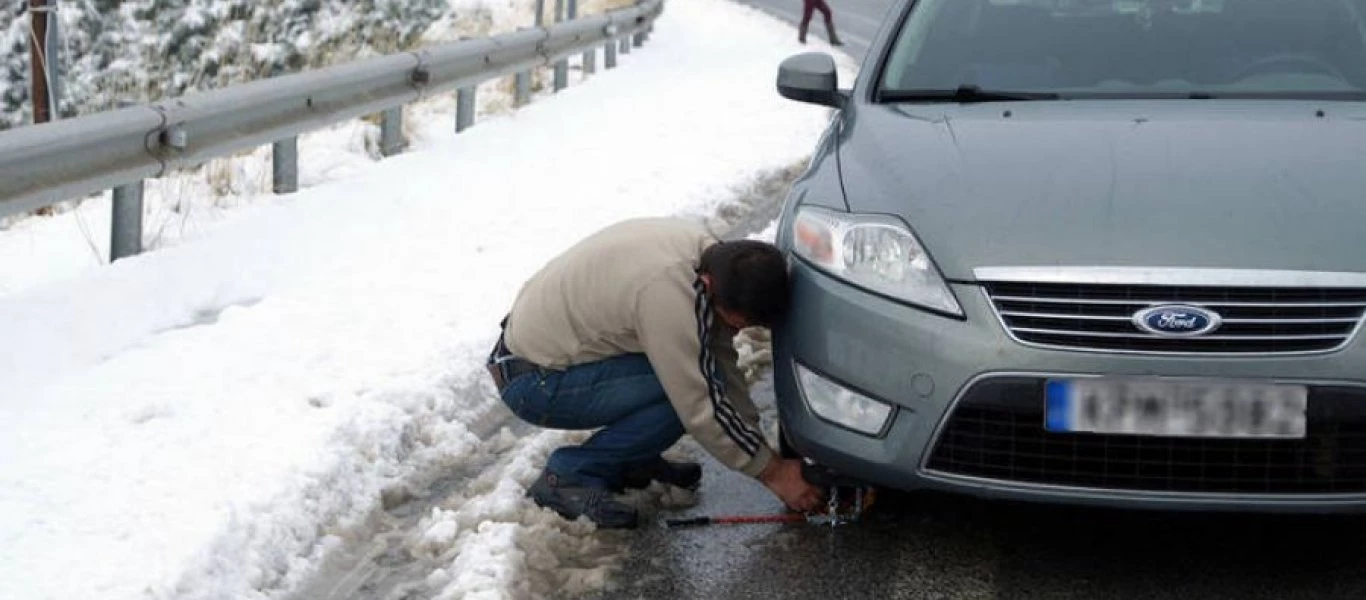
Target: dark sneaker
pixel 686 475
pixel 573 501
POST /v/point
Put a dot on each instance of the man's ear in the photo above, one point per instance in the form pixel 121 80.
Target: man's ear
pixel 732 318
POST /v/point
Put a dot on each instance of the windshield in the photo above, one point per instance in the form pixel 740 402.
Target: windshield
pixel 1130 48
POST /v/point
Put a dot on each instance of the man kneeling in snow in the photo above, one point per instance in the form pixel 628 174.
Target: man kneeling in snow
pixel 631 331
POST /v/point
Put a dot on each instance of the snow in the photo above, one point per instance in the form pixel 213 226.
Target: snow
pixel 216 418
pixel 769 234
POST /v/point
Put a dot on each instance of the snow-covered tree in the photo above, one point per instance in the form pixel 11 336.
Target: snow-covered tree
pixel 141 50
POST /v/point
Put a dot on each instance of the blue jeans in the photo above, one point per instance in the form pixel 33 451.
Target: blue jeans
pixel 621 395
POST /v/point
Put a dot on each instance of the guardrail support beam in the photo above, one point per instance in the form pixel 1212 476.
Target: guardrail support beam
pixel 464 108
pixel 561 74
pixel 609 54
pixel 125 234
pixel 522 82
pixel 391 140
pixel 590 59
pixel 284 159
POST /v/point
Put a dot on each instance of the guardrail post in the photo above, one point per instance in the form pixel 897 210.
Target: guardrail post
pixel 562 65
pixel 609 54
pixel 590 56
pixel 125 233
pixel 391 140
pixel 284 159
pixel 464 108
pixel 523 86
pixel 522 81
pixel 561 74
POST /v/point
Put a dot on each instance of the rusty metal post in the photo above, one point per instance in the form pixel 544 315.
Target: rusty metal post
pixel 40 67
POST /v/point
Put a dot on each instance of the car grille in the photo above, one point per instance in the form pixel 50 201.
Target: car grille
pixel 997 432
pixel 1255 320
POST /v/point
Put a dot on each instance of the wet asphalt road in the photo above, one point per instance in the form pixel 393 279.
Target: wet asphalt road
pixel 944 546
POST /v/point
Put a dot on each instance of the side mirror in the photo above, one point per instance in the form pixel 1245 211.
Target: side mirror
pixel 810 77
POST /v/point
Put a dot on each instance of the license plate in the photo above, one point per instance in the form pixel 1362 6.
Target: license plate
pixel 1179 408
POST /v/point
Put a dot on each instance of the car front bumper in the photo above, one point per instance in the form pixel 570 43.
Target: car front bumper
pixel 926 364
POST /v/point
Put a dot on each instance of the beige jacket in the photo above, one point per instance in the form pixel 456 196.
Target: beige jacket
pixel 633 288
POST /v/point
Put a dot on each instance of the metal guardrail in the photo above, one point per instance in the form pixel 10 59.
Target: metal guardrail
pixel 41 165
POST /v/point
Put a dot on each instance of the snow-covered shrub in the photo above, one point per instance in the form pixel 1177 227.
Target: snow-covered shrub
pixel 141 50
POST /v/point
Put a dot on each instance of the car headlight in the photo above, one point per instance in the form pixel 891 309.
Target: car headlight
pixel 876 252
pixel 840 405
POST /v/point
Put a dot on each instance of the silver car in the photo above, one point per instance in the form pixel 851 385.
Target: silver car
pixel 1089 251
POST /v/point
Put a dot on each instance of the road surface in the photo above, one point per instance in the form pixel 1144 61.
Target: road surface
pixel 941 546
pixel 856 21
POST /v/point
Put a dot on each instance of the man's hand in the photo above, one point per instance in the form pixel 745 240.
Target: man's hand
pixel 784 477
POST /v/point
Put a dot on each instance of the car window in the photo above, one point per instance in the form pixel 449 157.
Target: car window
pixel 1131 47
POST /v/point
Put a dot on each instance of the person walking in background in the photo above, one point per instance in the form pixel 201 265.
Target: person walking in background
pixel 811 6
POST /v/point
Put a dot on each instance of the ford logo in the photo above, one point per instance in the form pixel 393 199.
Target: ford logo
pixel 1177 320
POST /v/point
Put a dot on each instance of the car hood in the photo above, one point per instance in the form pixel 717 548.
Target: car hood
pixel 1216 184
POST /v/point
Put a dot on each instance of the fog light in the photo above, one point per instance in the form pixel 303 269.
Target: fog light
pixel 842 406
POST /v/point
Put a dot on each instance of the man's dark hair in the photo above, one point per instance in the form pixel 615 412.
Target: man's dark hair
pixel 748 277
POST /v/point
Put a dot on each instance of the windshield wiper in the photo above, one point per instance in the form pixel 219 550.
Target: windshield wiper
pixel 964 94
pixel 1327 95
